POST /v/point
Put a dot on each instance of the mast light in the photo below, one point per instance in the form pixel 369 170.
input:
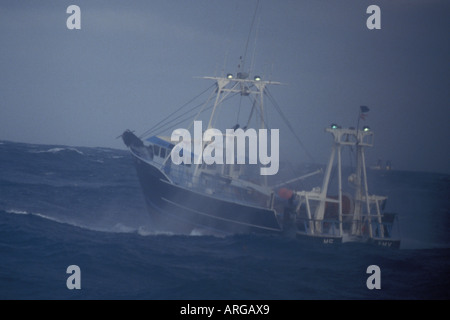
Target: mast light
pixel 335 126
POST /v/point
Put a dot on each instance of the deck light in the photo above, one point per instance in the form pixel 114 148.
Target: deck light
pixel 334 126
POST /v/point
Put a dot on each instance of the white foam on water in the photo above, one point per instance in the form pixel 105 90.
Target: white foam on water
pixel 22 212
pixel 14 211
pixel 145 232
pixel 56 150
pixel 121 228
pixel 198 232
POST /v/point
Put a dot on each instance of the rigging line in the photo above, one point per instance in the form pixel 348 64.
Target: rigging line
pixel 166 125
pixel 163 126
pixel 266 113
pixel 220 98
pixel 239 110
pixel 288 124
pixel 183 120
pixel 254 46
pixel 254 107
pixel 251 114
pixel 350 152
pixel 187 112
pixel 202 110
pixel 189 116
pixel 165 122
pixel 160 126
pixel 225 98
pixel 260 113
pixel 228 40
pixel 249 35
pixel 171 114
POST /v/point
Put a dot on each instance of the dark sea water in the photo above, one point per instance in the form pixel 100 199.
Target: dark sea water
pixel 62 206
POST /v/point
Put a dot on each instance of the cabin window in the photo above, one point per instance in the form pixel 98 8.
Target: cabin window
pixel 150 150
pixel 163 152
pixel 156 149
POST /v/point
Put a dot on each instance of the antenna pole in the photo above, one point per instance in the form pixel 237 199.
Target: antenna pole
pixel 248 38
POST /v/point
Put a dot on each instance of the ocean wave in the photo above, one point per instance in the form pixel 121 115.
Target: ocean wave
pixel 22 212
pixel 117 228
pixel 57 150
pixel 16 211
pixel 146 231
pixel 121 228
pixel 415 244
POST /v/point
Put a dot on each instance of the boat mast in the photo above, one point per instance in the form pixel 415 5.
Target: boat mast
pixel 340 138
pixel 241 84
pixel 360 139
pixel 366 191
pixel 363 139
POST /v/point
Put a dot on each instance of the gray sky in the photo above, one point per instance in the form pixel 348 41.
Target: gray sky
pixel 133 62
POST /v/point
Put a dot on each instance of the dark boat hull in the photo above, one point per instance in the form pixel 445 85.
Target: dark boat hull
pixel 328 240
pixel 180 209
pixel 385 243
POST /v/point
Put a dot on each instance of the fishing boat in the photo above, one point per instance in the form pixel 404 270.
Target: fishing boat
pixel 218 198
pixel 380 166
pixel 215 174
pixel 345 218
pixel 230 198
